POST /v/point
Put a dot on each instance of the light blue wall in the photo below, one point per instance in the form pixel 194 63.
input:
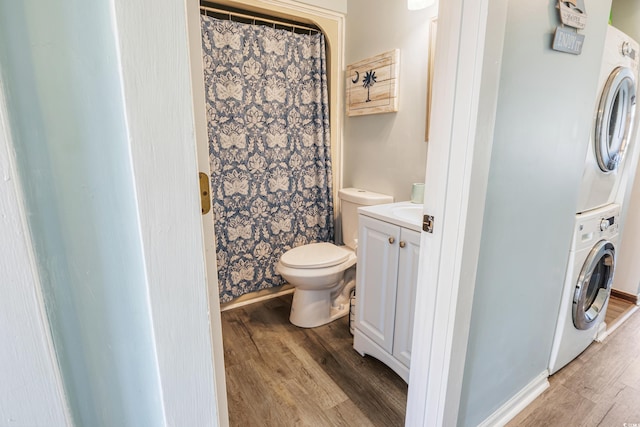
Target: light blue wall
pixel 545 109
pixel 59 68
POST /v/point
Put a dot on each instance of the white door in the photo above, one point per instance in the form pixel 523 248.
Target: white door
pixel 202 150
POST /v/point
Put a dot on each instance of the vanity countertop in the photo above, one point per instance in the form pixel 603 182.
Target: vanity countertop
pixel 403 214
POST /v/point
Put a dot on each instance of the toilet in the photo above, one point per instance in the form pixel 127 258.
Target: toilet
pixel 323 274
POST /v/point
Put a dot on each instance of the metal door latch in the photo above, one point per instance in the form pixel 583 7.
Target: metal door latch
pixel 427 223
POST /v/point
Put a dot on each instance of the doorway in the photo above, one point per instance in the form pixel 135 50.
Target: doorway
pixel 449 169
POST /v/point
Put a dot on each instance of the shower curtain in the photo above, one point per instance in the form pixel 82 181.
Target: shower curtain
pixel 269 148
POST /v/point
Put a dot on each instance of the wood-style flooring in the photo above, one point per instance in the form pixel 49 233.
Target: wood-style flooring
pixel 617 310
pixel 282 375
pixel 599 388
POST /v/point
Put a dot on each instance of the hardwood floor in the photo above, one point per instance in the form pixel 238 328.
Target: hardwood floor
pixel 617 311
pixel 600 388
pixel 282 375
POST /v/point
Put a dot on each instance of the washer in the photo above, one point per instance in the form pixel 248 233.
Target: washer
pixel 585 295
pixel 613 121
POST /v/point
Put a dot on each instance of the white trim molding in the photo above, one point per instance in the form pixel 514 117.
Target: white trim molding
pixel 208 233
pixel 518 402
pixel 466 79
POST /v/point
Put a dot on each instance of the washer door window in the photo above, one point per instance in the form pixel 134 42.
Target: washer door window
pixel 594 283
pixel 614 121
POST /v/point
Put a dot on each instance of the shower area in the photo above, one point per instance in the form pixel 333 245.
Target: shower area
pixel 269 143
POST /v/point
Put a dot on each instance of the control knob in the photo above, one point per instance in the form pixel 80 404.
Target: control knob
pixel 628 51
pixel 604 225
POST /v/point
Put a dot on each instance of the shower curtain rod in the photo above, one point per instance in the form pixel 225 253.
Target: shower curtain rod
pixel 256 18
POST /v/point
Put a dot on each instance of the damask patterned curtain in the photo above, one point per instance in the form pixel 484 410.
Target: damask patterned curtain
pixel 269 148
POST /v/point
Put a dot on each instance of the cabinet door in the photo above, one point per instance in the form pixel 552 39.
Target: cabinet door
pixel 406 295
pixel 376 274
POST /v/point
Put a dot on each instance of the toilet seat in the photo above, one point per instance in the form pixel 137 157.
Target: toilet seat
pixel 315 255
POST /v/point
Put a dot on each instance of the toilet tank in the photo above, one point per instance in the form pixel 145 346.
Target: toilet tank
pixel 350 200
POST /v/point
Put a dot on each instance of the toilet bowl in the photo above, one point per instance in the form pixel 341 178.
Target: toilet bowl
pixel 317 271
pixel 323 274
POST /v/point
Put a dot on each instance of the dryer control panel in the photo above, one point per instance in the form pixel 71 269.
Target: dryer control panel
pixel 595 225
pixel 607 222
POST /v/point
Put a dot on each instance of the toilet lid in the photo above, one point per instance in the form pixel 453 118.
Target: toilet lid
pixel 315 255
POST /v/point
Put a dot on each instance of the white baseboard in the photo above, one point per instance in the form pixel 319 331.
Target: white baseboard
pixel 517 403
pixel 257 296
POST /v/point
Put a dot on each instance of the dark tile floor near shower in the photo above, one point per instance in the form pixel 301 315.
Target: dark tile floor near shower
pixel 282 375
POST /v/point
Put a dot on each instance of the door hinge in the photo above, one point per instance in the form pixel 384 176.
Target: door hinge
pixel 427 223
pixel 205 198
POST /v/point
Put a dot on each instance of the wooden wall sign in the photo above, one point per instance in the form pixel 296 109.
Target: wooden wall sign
pixel 372 85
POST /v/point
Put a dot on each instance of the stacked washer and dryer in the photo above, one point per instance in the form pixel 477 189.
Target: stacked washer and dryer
pixel 592 257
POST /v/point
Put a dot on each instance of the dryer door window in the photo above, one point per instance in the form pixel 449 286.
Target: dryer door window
pixel 593 286
pixel 614 121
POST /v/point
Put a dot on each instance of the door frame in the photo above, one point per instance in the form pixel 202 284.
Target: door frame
pixel 466 81
pixel 202 157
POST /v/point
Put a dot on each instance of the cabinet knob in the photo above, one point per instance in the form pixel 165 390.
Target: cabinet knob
pixel 391 240
pixel 402 244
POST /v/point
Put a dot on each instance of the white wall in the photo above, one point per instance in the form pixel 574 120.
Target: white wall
pixel 386 153
pixel 545 106
pixel 60 68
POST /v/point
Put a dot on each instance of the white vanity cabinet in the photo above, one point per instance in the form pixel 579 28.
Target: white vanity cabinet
pixel 386 278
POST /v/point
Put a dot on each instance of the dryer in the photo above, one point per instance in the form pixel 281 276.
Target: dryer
pixel 585 295
pixel 612 128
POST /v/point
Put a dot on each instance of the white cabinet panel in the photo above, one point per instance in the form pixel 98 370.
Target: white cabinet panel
pixel 376 280
pixel 406 294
